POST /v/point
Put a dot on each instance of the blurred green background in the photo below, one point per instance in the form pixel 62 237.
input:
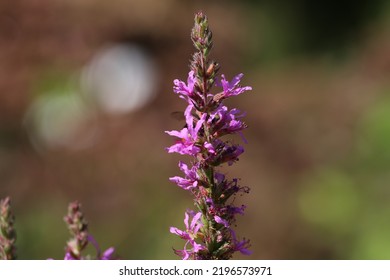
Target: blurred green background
pixel 86 95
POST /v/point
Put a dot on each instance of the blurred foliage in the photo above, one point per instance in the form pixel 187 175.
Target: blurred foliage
pixel 286 28
pixel 375 136
pixel 350 200
pixel 330 200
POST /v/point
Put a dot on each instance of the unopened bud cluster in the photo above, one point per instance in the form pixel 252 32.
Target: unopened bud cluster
pixel 7 231
pixel 78 229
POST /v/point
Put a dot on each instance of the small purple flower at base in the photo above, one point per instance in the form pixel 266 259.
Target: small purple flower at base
pixel 232 88
pixel 69 257
pixel 108 254
pixel 191 230
pixel 240 246
pixel 191 177
pixel 184 254
pixel 190 234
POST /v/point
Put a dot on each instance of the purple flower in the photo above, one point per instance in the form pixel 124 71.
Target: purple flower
pixel 232 88
pixel 236 210
pixel 221 221
pixel 188 136
pixel 69 257
pixel 191 177
pixel 219 178
pixel 240 246
pixel 225 122
pixel 185 90
pixel 224 153
pixel 230 154
pixel 209 147
pixel 184 254
pixel 108 254
pixel 190 234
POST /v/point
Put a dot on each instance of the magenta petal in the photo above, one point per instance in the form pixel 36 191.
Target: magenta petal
pixel 176 231
pixel 232 88
pixel 236 80
pixel 244 251
pixel 191 80
pixel 69 257
pixel 195 219
pixel 219 220
pixel 209 147
pixel 200 123
pixel 185 90
pixel 180 134
pixel 197 247
pixel 108 254
pixel 186 218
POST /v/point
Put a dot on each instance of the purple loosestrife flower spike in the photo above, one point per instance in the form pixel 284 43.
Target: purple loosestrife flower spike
pixel 209 235
pixel 7 231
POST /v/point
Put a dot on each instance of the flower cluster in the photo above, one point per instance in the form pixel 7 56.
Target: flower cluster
pixel 78 228
pixel 209 231
pixel 7 231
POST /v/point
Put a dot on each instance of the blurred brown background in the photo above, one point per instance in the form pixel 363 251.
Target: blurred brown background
pixel 86 95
